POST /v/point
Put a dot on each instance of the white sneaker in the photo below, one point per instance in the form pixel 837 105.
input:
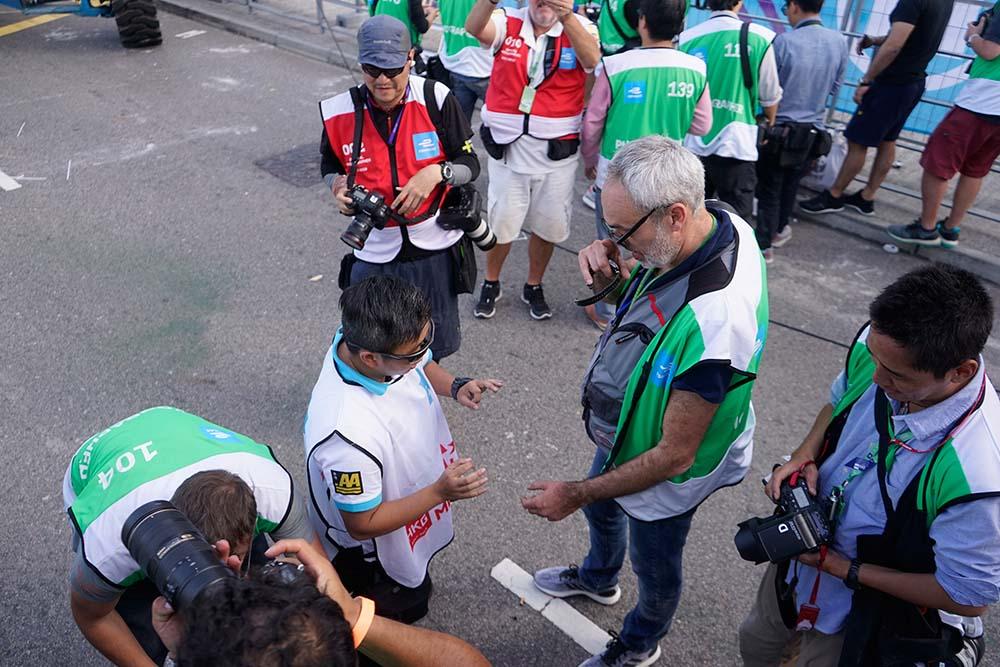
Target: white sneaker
pixel 782 237
pixel 588 198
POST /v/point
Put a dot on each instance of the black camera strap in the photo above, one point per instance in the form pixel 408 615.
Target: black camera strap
pixel 883 413
pixel 359 126
pixel 745 55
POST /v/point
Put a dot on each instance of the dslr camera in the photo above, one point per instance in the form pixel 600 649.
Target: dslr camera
pixel 800 523
pixel 172 553
pixel 370 212
pixel 462 209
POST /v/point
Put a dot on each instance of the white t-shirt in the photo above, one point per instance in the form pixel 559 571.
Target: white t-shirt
pixel 369 442
pixel 528 155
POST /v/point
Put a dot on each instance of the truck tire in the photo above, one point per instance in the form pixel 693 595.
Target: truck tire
pixel 138 26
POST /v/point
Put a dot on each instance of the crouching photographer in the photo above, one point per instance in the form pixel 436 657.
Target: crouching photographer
pixel 393 149
pixel 892 501
pixel 294 613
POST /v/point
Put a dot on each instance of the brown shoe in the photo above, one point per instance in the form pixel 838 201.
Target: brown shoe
pixel 592 315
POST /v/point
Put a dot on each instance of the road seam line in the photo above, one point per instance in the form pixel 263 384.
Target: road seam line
pixel 580 629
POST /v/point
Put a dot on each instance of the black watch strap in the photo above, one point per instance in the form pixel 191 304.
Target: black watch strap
pixel 851 580
pixel 457 384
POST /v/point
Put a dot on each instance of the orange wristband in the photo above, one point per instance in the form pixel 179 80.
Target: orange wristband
pixel 364 623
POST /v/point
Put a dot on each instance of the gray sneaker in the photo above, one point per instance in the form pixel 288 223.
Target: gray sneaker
pixel 564 582
pixel 617 655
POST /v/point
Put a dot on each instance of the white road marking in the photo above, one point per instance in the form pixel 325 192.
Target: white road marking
pixel 7 183
pixel 579 628
pixel 22 128
pixel 189 34
pixel 22 177
pixel 69 168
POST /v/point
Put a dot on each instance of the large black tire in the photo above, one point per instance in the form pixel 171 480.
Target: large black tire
pixel 138 26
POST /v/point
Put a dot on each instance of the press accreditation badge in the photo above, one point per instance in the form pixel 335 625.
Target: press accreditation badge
pixel 527 99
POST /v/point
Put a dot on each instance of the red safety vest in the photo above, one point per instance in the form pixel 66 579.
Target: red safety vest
pixel 558 105
pixel 384 166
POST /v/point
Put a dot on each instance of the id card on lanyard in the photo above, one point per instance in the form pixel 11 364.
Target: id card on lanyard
pixel 536 57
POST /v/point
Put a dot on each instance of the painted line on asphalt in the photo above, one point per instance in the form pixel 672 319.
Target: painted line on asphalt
pixel 579 628
pixel 29 23
pixel 7 183
pixel 189 34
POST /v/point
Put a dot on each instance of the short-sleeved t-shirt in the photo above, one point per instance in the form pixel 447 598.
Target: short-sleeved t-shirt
pixel 930 18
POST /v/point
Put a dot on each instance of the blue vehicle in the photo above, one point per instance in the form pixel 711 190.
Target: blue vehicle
pixel 138 26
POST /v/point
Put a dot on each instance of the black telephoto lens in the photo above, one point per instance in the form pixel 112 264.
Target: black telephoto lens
pixel 172 553
pixel 747 542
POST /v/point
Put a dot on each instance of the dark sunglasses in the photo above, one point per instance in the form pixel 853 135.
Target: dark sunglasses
pixel 620 240
pixel 375 72
pixel 416 356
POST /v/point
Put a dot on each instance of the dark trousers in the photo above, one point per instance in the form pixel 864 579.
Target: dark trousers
pixel 731 180
pixel 776 189
pixel 136 608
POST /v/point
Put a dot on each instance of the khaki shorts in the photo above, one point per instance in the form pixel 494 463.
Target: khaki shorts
pixel 541 204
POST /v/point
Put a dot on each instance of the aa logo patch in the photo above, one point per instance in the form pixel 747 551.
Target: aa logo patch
pixel 347 483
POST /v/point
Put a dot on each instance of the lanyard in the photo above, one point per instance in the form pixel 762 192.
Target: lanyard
pixel 399 119
pixel 536 57
pixel 637 294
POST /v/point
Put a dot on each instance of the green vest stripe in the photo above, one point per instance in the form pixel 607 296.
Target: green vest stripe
pixel 399 9
pixel 613 27
pixel 453 14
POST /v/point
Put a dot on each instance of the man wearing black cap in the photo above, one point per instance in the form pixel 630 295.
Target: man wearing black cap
pixel 406 139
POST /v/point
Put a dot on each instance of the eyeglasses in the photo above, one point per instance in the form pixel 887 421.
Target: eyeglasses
pixel 375 72
pixel 620 240
pixel 425 345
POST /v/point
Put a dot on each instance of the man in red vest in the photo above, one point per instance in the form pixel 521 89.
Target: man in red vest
pixel 531 129
pixel 405 138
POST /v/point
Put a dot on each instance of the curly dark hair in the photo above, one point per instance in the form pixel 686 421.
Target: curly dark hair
pixel 265 624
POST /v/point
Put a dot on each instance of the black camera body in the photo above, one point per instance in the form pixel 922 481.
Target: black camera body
pixel 370 212
pixel 172 553
pixel 462 209
pixel 800 523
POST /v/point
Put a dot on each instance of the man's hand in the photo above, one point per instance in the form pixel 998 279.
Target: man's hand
pixel 868 41
pixel 859 93
pixel 339 190
pixel 833 564
pixel 781 473
pixel 590 173
pixel 321 571
pixel 459 481
pixel 556 501
pixel 595 262
pixel 222 550
pixel 430 11
pixel 417 189
pixel 167 624
pixel 470 393
pixel 975 28
pixel 561 8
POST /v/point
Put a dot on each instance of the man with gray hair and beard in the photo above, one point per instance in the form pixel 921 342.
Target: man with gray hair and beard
pixel 666 398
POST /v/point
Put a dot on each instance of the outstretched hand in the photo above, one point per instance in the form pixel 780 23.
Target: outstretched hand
pixel 556 501
pixel 471 393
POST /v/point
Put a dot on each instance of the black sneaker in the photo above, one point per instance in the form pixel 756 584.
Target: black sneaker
pixel 488 297
pixel 949 235
pixel 535 298
pixel 859 203
pixel 824 202
pixel 914 233
pixel 616 654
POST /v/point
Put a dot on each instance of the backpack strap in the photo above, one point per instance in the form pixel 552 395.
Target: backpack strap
pixel 745 56
pixel 431 102
pixel 359 126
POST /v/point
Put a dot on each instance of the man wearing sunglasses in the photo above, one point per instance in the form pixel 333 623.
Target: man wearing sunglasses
pixel 405 138
pixel 230 487
pixel 666 398
pixel 382 466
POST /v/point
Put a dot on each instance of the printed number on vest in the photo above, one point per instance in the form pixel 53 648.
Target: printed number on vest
pixel 680 89
pixel 732 50
pixel 124 463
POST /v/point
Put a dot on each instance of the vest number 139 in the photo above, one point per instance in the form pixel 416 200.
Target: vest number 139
pixel 680 89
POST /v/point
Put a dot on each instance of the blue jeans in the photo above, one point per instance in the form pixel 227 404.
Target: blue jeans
pixel 655 549
pixel 604 310
pixel 467 90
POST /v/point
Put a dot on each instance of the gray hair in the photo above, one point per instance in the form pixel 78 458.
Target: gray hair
pixel 657 171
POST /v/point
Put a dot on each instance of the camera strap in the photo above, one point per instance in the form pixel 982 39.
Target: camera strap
pixel 809 611
pixel 745 55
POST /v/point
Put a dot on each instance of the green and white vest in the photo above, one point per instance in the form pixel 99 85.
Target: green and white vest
pixel 963 468
pixel 653 91
pixel 612 26
pixel 981 93
pixel 734 124
pixel 145 457
pixel 399 9
pixel 459 51
pixel 715 314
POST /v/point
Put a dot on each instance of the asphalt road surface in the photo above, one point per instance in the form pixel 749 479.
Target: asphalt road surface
pixel 146 259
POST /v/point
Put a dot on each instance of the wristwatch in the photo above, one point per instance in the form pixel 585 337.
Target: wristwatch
pixel 447 173
pixel 458 384
pixel 851 580
pixel 864 84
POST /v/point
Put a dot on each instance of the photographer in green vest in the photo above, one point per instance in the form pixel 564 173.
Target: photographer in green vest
pixel 966 141
pixel 416 15
pixel 230 487
pixel 618 26
pixel 905 460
